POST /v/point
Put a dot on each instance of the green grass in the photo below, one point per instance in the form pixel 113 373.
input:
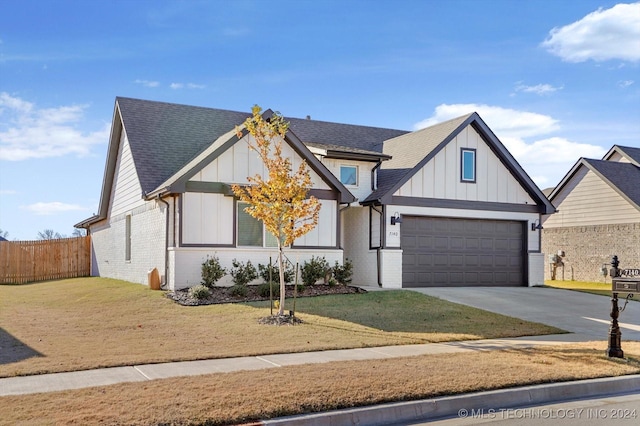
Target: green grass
pixel 601 289
pixel 402 311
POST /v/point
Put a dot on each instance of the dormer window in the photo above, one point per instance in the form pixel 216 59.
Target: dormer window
pixel 349 175
pixel 468 165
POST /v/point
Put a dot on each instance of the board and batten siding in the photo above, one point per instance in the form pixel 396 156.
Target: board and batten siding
pixel 207 218
pixel 590 201
pixel 440 177
pixel 238 162
pixel 126 190
pixel 324 234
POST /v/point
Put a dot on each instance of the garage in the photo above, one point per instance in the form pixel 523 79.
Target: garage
pixel 452 252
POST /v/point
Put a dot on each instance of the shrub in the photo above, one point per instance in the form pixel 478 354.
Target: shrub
pixel 289 273
pixel 238 290
pixel 313 270
pixel 212 271
pixel 343 273
pixel 199 292
pixel 242 273
pixel 263 290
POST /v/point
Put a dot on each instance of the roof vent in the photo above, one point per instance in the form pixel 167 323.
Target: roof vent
pixel 308 117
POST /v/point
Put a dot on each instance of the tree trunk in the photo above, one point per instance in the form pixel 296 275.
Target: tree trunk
pixel 283 288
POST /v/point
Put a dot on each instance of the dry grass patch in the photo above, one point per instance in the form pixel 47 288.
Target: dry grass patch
pixel 243 396
pixel 87 323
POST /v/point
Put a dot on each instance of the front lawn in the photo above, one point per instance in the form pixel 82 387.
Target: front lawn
pixel 602 289
pixel 87 323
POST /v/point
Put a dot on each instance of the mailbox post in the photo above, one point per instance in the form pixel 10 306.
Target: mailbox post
pixel 622 281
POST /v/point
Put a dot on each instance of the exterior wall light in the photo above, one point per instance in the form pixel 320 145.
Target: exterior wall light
pixel 396 218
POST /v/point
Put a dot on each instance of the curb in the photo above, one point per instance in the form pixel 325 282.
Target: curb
pixel 464 405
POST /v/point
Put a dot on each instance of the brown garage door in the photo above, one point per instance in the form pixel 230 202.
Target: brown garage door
pixel 461 252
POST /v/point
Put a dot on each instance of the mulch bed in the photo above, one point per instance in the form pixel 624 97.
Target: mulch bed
pixel 221 294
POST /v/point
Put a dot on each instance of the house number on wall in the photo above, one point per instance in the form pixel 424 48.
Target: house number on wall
pixel 394 234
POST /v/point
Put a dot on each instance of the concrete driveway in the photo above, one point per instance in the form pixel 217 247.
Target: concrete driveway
pixel 581 313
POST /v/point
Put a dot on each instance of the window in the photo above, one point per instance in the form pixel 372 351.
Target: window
pixel 349 175
pixel 127 238
pixel 468 165
pixel 251 231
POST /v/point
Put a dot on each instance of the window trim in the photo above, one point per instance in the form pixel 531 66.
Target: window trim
pixel 353 166
pixel 463 152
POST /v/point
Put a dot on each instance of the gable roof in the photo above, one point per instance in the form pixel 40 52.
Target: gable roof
pixel 412 151
pixel 164 138
pixel 630 153
pixel 624 178
pixel 177 182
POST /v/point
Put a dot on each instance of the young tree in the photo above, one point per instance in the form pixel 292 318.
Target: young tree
pixel 280 201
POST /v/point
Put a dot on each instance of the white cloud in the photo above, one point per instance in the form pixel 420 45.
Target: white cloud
pixel 538 89
pixel 546 160
pixel 148 83
pixel 7 192
pixel 503 121
pixel 625 83
pixel 27 132
pixel 601 35
pixel 42 209
pixel 176 86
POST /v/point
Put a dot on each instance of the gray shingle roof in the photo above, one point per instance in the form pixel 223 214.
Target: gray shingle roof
pixel 624 176
pixel 633 153
pixel 164 136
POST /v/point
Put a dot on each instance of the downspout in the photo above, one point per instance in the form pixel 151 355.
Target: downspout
pixel 340 217
pixel 374 176
pixel 166 244
pixel 379 248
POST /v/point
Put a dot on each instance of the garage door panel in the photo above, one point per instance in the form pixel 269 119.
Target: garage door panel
pixel 462 252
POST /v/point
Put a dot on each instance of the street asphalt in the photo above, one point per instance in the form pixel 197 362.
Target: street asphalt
pixel 585 316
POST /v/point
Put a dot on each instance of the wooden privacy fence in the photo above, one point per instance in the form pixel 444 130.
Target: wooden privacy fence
pixel 28 261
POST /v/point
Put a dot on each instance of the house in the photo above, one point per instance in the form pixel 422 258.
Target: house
pixel 598 215
pixel 446 205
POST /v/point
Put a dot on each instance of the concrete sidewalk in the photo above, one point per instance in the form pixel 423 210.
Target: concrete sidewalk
pixel 139 373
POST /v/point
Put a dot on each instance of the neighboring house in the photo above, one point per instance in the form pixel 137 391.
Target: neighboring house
pixel 446 205
pixel 598 215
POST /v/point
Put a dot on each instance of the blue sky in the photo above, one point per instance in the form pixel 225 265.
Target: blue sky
pixel 555 80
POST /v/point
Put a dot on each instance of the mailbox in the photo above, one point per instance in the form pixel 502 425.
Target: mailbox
pixel 625 282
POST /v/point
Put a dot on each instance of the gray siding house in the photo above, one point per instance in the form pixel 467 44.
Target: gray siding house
pixel 443 206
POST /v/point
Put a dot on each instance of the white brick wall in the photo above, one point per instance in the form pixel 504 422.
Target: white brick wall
pixel 391 264
pixel 147 244
pixel 355 241
pixel 185 262
pixel 536 269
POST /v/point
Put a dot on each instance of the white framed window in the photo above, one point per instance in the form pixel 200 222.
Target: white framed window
pixel 127 238
pixel 468 165
pixel 349 175
pixel 251 231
